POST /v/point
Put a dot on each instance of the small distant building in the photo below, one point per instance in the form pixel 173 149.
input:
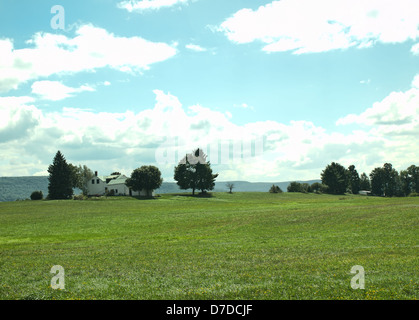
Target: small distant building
pixel 113 184
pixel 364 193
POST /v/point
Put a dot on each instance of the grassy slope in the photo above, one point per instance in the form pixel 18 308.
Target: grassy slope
pixel 230 246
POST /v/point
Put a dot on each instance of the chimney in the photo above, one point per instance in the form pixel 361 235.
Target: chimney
pixel 95 173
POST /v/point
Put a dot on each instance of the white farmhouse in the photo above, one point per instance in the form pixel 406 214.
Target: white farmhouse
pixel 101 185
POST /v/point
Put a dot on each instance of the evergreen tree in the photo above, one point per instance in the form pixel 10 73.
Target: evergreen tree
pixel 377 176
pixel 354 180
pixel 413 172
pixel 364 182
pixel 406 182
pixel 392 181
pixel 275 189
pixel 60 178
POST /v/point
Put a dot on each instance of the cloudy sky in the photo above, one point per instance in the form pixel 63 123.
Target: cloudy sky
pixel 131 83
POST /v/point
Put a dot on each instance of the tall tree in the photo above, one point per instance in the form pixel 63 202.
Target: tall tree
pixel 205 178
pixel 145 177
pixel 75 176
pixel 334 176
pixel 406 182
pixel 392 181
pixel 184 176
pixel 80 177
pixel 354 180
pixel 377 176
pixel 60 178
pixel 194 172
pixel 413 172
pixel 385 181
pixel 364 182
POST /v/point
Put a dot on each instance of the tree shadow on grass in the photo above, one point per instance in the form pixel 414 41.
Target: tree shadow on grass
pixel 197 195
pixel 146 197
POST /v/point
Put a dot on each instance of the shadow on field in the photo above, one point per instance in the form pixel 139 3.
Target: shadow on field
pixel 198 195
pixel 145 198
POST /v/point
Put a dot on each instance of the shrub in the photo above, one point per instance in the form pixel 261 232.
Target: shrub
pixel 414 194
pixel 37 195
pixel 305 188
pixel 275 189
pixel 295 187
pixel 318 188
pixel 79 197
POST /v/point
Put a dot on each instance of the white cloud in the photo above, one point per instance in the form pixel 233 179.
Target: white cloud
pixel 144 5
pixel 415 49
pixel 395 121
pixel 304 26
pixel 122 141
pixel 195 47
pixel 415 82
pixel 91 48
pixel 55 90
pixel 397 113
pixel 17 118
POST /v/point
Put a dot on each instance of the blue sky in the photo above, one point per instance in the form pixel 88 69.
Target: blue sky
pixel 318 81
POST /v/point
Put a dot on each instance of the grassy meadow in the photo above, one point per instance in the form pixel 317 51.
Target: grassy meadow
pixel 227 246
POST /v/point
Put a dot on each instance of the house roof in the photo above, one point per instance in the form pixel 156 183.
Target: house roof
pixel 114 176
pixel 120 180
pixel 110 177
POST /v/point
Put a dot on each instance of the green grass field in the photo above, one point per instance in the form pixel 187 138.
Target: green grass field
pixel 228 246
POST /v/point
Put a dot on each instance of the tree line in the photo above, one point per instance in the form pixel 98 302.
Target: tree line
pixel 382 181
pixel 194 172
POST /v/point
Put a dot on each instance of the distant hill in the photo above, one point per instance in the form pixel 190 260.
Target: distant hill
pixel 245 186
pixel 239 186
pixel 14 188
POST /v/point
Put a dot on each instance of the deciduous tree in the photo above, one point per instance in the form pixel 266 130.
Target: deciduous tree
pixel 194 172
pixel 230 186
pixel 335 177
pixel 364 182
pixel 145 177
